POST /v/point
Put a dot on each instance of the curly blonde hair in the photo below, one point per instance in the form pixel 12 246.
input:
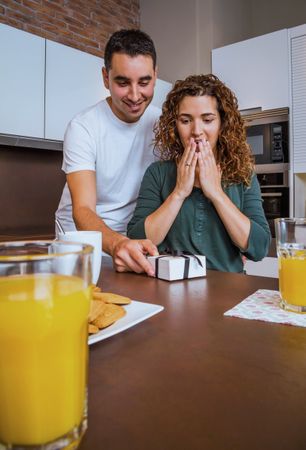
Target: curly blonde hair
pixel 233 153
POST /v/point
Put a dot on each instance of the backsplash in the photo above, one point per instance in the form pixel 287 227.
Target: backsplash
pixel 31 183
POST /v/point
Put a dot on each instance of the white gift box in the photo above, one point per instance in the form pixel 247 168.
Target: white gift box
pixel 171 268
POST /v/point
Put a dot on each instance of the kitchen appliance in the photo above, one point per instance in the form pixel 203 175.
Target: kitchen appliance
pixel 273 180
pixel 267 135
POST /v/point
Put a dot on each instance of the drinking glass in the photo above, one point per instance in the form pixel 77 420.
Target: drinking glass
pixel 291 252
pixel 43 344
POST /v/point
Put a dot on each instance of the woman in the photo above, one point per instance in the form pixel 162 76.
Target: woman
pixel 203 197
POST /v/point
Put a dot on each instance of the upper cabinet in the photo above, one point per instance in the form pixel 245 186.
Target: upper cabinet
pixel 160 92
pixel 257 70
pixel 43 84
pixel 22 77
pixel 73 83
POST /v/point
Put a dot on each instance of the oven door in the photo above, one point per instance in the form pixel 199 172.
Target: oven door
pixel 275 204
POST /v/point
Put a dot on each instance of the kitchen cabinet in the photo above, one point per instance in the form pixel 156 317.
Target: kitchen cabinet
pixel 22 77
pixel 297 37
pixel 160 92
pixel 297 49
pixel 73 82
pixel 257 70
pixel 43 84
pixel 267 267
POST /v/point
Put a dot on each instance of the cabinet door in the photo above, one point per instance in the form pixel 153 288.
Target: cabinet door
pixel 256 70
pixel 73 83
pixel 160 92
pixel 22 75
pixel 298 97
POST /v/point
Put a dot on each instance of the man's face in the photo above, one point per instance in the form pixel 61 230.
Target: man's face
pixel 131 82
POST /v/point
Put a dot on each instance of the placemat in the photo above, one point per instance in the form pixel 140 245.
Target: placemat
pixel 264 305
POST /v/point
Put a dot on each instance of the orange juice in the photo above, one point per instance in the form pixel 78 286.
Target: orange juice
pixel 43 356
pixel 292 277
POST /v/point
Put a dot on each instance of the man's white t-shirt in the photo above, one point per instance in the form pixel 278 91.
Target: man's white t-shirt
pixel 117 151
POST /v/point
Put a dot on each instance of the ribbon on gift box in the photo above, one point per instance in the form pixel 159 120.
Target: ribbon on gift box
pixel 184 254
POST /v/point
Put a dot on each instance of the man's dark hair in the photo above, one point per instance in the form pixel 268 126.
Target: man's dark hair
pixel 131 42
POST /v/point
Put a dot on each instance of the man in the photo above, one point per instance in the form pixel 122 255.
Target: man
pixel 107 148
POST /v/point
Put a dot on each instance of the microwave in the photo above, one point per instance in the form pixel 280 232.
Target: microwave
pixel 267 136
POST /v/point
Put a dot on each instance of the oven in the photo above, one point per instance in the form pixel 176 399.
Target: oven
pixel 273 180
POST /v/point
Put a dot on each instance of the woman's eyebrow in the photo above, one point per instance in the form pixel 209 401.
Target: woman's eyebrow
pixel 185 114
pixel 203 114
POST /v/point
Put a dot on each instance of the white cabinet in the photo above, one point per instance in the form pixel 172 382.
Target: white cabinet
pixel 297 39
pixel 268 267
pixel 43 84
pixel 160 93
pixel 297 115
pixel 73 83
pixel 257 70
pixel 22 76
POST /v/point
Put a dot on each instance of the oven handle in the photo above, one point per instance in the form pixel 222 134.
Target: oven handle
pixel 271 194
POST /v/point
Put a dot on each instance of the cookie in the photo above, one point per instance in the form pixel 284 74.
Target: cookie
pixel 95 288
pixel 92 329
pixel 109 315
pixel 108 297
pixel 96 309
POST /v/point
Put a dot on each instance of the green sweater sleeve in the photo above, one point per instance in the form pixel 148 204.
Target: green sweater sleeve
pixel 149 200
pixel 260 236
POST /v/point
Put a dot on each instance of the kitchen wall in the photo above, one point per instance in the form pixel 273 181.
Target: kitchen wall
pixel 185 33
pixel 85 25
pixel 272 15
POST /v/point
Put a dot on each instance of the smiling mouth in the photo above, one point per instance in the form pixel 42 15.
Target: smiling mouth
pixel 133 106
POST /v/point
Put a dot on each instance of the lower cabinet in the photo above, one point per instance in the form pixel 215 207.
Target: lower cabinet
pixel 268 267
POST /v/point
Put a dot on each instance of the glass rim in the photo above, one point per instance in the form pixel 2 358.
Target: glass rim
pixel 290 219
pixel 85 249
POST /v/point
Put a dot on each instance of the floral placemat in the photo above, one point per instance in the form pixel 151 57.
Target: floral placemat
pixel 264 305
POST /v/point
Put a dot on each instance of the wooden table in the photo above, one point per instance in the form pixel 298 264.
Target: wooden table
pixel 190 378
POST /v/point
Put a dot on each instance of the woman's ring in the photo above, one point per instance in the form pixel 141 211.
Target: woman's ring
pixel 187 164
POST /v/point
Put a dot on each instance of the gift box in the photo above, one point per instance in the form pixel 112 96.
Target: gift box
pixel 169 267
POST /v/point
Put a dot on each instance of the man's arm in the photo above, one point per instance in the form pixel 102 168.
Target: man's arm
pixel 127 254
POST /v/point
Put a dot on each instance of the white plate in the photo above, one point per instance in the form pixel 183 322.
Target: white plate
pixel 135 312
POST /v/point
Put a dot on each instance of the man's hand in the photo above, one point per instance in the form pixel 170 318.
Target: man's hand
pixel 129 255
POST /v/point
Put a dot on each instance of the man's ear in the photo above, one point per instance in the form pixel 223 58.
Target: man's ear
pixel 105 77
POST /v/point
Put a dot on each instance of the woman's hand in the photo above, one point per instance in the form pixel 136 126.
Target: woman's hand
pixel 186 171
pixel 236 223
pixel 209 172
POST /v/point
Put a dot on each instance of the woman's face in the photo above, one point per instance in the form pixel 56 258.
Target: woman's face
pixel 199 118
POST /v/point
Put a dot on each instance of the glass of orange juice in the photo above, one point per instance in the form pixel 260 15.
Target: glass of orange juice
pixel 44 306
pixel 291 252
